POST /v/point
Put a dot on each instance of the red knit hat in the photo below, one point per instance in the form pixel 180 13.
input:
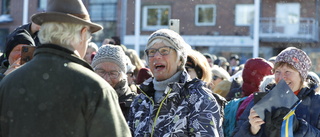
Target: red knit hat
pixel 253 72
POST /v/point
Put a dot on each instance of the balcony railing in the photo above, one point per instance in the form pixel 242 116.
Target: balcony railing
pixel 281 30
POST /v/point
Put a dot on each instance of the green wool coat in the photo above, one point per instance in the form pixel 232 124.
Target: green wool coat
pixel 57 94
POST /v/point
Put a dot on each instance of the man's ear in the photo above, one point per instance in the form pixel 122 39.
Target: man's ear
pixel 84 33
pixel 180 63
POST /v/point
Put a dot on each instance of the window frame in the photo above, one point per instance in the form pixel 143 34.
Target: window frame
pixel 145 8
pixel 42 5
pixel 5 7
pixel 214 14
pixel 236 22
pixel 102 15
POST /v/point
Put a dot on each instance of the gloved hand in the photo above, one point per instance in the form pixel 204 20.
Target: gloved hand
pixel 274 121
pixel 295 123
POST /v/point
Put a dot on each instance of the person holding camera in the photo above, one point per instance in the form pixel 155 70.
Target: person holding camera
pixel 12 52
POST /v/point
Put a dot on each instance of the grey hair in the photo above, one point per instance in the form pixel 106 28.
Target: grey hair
pixel 64 34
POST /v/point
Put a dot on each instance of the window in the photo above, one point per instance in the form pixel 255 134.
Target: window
pixel 288 13
pixel 205 15
pixel 42 5
pixel 3 35
pixel 288 17
pixel 103 10
pixel 244 14
pixel 5 7
pixel 155 17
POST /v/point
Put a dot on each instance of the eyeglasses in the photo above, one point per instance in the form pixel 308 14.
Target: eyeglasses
pixel 215 77
pixel 112 74
pixel 163 51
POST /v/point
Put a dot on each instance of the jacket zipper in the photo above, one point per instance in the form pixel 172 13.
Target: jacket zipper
pixel 161 103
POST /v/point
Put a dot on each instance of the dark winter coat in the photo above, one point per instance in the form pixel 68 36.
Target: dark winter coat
pixel 4 63
pixel 308 114
pixel 186 109
pixel 125 95
pixel 57 94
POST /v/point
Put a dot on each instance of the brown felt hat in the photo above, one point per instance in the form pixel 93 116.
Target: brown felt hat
pixel 69 11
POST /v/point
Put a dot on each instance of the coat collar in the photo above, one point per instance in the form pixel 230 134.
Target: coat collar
pixel 148 87
pixel 62 52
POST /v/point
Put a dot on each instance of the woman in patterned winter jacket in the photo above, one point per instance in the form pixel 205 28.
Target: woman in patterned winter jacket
pixel 171 104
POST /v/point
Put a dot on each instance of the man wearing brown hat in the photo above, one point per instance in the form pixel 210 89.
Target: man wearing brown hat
pixel 57 94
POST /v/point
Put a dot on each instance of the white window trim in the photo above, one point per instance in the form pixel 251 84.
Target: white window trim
pixel 236 23
pixel 145 27
pixel 206 6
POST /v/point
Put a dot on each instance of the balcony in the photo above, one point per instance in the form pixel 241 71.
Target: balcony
pixel 280 30
pixel 5 18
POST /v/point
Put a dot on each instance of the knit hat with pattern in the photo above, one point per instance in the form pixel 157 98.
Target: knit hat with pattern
pixel 297 58
pixel 110 53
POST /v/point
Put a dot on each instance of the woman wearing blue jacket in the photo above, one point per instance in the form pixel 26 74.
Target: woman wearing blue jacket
pixel 170 103
pixel 292 66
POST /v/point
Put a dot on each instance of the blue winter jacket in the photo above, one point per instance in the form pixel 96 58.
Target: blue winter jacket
pixel 186 109
pixel 308 113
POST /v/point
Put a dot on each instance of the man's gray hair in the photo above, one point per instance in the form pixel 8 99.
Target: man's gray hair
pixel 63 34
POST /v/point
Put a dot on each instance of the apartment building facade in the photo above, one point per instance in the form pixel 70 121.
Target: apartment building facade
pixel 223 27
pixel 220 27
pixel 12 14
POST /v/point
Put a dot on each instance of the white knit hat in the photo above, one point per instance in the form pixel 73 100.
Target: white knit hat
pixel 174 39
pixel 110 53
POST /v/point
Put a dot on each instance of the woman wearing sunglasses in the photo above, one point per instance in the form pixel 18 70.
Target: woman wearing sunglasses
pixel 220 83
pixel 171 104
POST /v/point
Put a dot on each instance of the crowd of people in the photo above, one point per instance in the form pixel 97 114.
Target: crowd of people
pixel 75 88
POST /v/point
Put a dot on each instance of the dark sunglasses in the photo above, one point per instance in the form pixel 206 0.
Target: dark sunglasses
pixel 215 77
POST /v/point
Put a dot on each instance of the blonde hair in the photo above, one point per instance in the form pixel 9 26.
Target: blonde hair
pixel 220 72
pixel 200 60
pixel 63 34
pixel 135 60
